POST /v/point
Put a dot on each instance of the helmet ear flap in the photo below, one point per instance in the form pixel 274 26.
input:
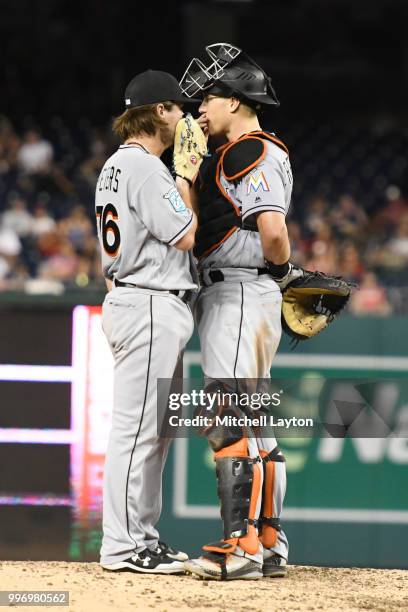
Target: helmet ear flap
pixel 272 91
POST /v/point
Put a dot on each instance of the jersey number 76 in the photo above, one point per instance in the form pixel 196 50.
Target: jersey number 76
pixel 106 216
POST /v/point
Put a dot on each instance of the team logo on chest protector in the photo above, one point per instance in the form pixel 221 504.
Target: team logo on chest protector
pixel 257 181
pixel 175 200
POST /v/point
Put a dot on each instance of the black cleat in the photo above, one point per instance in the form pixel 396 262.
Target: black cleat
pixel 274 566
pixel 164 549
pixel 147 562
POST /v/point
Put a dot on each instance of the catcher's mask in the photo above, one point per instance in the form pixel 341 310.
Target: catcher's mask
pixel 230 73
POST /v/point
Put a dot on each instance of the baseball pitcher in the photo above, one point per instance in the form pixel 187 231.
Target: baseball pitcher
pixel 146 226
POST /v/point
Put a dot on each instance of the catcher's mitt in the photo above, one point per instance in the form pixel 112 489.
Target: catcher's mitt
pixel 190 146
pixel 311 302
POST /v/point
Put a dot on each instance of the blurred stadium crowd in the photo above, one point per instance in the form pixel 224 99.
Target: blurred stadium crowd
pixel 349 212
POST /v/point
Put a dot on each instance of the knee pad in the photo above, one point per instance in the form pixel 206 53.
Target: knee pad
pixel 222 436
pixel 219 435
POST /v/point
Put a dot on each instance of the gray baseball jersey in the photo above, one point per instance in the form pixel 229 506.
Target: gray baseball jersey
pixel 140 216
pixel 267 187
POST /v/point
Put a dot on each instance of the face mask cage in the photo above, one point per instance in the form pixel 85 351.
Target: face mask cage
pixel 222 55
pixel 198 77
pixel 195 78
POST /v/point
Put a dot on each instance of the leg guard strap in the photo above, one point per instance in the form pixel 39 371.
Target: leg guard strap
pixel 274 455
pixel 271 522
pixel 220 560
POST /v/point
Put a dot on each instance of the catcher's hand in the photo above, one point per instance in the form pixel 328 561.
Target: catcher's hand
pixel 311 302
pixel 190 146
pixel 287 276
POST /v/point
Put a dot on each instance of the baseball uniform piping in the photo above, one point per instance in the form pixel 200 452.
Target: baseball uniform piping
pixel 177 237
pixel 263 208
pixel 141 416
pixel 240 328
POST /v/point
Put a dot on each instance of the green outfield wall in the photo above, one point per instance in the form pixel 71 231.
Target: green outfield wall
pixel 347 499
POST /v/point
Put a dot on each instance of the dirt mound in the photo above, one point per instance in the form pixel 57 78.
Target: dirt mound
pixel 305 588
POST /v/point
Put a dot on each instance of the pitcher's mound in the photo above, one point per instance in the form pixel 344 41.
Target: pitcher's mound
pixel 305 588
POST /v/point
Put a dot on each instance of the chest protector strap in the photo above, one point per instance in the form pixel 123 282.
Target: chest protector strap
pixel 241 156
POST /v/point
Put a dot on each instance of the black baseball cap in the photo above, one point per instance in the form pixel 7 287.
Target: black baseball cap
pixel 154 86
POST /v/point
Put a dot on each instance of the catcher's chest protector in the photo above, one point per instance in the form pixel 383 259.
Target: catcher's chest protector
pixel 219 214
pixel 216 217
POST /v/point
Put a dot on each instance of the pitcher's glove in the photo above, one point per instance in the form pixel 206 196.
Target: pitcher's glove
pixel 190 147
pixel 310 300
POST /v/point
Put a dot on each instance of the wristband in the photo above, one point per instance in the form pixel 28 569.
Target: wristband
pixel 277 270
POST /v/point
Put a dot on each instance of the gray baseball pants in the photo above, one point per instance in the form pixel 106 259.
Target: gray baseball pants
pixel 239 323
pixel 147 332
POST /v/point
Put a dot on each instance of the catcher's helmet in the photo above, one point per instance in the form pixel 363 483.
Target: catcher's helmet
pixel 231 73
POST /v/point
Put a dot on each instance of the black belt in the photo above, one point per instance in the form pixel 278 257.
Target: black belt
pixel 185 297
pixel 217 276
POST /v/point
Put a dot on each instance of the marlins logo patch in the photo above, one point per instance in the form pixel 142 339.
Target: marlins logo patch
pixel 175 200
pixel 256 181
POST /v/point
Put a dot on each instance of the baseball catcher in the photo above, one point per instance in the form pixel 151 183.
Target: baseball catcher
pixel 243 193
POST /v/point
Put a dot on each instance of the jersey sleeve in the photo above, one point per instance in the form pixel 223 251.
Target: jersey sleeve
pixel 160 207
pixel 262 189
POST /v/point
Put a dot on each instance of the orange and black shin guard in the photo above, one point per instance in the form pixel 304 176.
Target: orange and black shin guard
pixel 239 488
pixel 269 522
